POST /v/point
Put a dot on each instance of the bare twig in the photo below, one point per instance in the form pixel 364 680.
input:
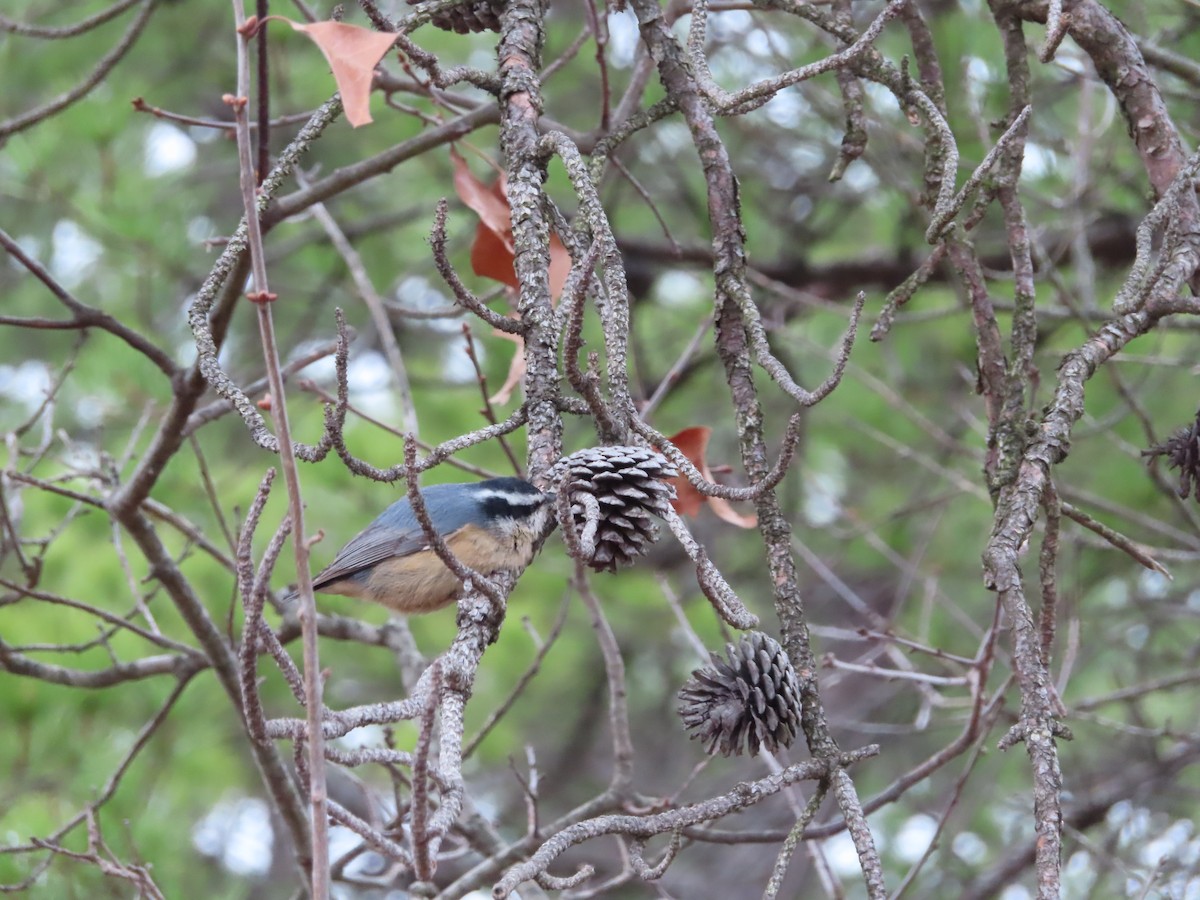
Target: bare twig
pixel 262 299
pixel 104 65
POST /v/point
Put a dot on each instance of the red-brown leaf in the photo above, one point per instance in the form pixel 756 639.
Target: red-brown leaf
pixel 516 370
pixel 492 257
pixel 693 443
pixel 488 202
pixel 352 53
pixel 492 250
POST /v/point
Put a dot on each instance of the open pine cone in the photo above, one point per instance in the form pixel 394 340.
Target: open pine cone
pixel 752 700
pixel 613 492
pixel 468 16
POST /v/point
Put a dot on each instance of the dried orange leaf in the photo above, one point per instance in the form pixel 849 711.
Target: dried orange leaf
pixel 492 258
pixel 352 53
pixel 693 443
pixel 560 267
pixel 516 371
pixel 492 250
pixel 489 203
pixel 729 514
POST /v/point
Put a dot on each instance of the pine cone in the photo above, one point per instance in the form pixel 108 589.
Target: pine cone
pixel 754 699
pixel 613 491
pixel 468 16
pixel 1182 451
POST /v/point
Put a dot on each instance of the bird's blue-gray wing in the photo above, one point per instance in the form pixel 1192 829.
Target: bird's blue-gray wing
pixel 370 547
pixel 396 532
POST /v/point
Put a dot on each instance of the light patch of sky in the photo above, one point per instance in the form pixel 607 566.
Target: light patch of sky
pixel 914 837
pixel 862 180
pixel 32 247
pixel 323 371
pixel 779 178
pixel 758 42
pixel 670 139
pixel 237 833
pixel 680 29
pixel 788 109
pixel 1011 819
pixel 185 349
pixel 674 136
pixel 800 207
pixel 977 76
pixel 1134 825
pixel 980 73
pixel 371 382
pixel 842 856
pixel 1136 636
pixel 1079 872
pixel 880 97
pixel 168 149
pixel 456 366
pixel 1015 892
pixel 1113 593
pixel 369 375
pixel 73 252
pixel 1038 160
pixel 26 383
pixel 363 736
pixel 1174 843
pixel 1070 58
pixel 82 455
pixel 731 25
pixel 200 229
pixel 1119 813
pixel 1153 585
pixel 1172 888
pixel 231 349
pixel 678 289
pixel 92 410
pixel 1193 600
pixel 805 158
pixel 342 841
pixel 205 135
pixel 622 39
pixel 417 292
pixel 969 847
pixel 734 68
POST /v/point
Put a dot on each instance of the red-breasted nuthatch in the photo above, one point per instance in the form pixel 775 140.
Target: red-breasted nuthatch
pixel 492 526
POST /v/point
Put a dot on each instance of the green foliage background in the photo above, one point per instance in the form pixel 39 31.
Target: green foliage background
pixel 906 519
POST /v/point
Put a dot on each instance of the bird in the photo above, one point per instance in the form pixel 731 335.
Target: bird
pixel 495 525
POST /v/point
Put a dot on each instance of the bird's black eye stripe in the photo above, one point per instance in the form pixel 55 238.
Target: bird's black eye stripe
pixel 511 505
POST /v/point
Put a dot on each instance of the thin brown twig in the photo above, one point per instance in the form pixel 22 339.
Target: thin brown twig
pixel 84 316
pixel 665 822
pixel 488 411
pixel 141 105
pixel 614 670
pixel 423 865
pixel 543 647
pixel 57 32
pixel 375 306
pixel 103 66
pixel 1115 538
pixel 262 298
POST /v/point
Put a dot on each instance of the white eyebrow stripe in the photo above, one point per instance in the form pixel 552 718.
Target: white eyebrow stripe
pixel 513 498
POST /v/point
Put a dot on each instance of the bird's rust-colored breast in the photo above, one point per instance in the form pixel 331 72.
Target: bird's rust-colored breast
pixel 420 582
